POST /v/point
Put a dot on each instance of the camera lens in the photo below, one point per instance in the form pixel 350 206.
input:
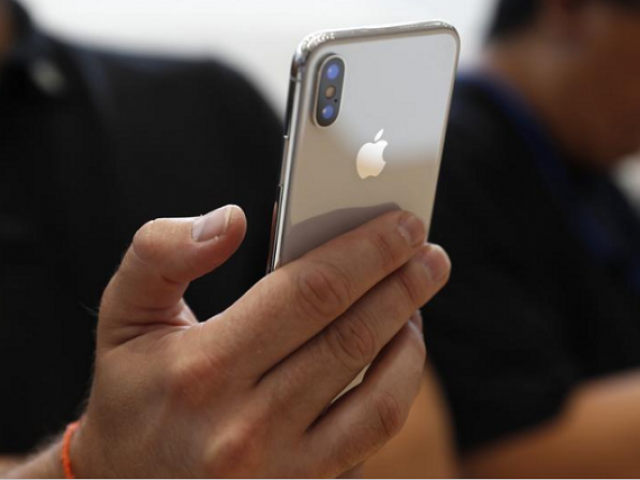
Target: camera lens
pixel 330 90
pixel 327 112
pixel 333 71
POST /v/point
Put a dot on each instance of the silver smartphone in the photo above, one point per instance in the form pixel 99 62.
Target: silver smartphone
pixel 365 130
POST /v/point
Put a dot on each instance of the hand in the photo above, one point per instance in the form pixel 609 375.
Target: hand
pixel 248 392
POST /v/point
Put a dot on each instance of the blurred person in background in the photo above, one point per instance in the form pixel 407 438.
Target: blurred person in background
pixel 95 143
pixel 537 337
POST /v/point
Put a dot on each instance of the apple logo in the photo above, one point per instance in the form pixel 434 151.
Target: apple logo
pixel 370 161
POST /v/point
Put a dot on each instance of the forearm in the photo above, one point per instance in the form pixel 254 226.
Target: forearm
pixel 45 464
pixel 8 462
pixel 598 435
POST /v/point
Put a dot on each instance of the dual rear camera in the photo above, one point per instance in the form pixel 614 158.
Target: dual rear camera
pixel 330 88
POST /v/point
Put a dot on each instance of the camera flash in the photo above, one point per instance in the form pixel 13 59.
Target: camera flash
pixel 330 92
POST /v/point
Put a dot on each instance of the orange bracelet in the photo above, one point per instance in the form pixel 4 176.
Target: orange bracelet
pixel 65 455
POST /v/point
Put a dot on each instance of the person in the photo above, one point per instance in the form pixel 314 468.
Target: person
pixel 247 393
pixel 94 144
pixel 536 337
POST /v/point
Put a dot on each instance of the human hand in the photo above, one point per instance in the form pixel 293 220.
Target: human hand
pixel 249 392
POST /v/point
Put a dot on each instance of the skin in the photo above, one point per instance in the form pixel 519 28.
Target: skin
pixel 578 66
pixel 424 448
pixel 597 436
pixel 248 393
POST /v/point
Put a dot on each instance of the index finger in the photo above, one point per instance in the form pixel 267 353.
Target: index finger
pixel 292 305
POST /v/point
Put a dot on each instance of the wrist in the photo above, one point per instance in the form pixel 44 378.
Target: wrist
pixel 80 453
pixel 65 456
pixel 87 454
pixel 46 464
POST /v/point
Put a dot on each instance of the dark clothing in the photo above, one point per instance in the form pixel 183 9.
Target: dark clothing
pixel 92 145
pixel 543 295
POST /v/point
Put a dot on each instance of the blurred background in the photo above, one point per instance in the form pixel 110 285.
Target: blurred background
pixel 255 36
pixel 259 37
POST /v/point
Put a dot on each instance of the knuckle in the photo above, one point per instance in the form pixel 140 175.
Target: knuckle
pixel 291 385
pixel 390 415
pixel 390 256
pixel 353 342
pixel 236 452
pixel 191 380
pixel 324 292
pixel 345 458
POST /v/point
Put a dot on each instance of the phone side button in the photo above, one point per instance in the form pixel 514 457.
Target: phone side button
pixel 274 228
pixel 285 156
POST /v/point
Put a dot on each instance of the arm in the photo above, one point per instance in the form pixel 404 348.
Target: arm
pixel 46 464
pixel 596 436
pixel 7 463
pixel 424 448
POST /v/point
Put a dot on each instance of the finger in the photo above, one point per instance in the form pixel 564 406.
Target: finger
pixel 355 472
pixel 188 314
pixel 164 257
pixel 365 419
pixel 416 318
pixel 293 304
pixel 303 385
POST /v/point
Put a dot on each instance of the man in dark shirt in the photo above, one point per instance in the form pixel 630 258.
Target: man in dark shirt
pixel 92 145
pixel 542 314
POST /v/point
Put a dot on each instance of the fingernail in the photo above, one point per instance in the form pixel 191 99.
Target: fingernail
pixel 412 229
pixel 212 225
pixel 416 319
pixel 437 262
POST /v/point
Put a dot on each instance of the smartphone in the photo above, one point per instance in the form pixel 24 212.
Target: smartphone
pixel 365 129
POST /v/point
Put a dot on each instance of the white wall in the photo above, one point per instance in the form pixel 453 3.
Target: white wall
pixel 258 36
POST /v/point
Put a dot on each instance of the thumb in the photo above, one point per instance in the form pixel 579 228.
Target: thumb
pixel 165 256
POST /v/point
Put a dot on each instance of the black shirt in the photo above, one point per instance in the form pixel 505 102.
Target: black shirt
pixel 92 145
pixel 536 303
